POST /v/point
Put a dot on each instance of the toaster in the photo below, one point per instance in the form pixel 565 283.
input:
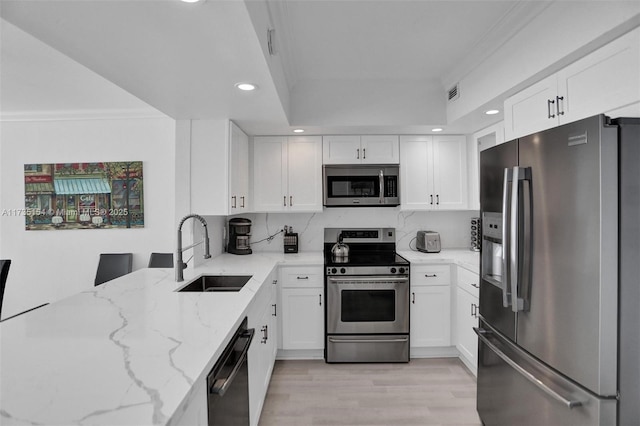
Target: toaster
pixel 428 241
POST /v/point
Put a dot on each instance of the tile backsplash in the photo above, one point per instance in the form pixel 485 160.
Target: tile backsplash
pixel 453 226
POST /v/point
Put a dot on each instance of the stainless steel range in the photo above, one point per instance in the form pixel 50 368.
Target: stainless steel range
pixel 367 291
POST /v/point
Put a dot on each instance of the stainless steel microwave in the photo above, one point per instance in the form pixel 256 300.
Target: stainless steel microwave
pixel 364 185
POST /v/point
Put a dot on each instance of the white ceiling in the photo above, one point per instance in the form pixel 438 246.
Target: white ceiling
pixel 349 66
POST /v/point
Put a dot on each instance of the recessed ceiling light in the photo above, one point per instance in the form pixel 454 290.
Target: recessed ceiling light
pixel 437 129
pixel 246 86
pixel 191 1
pixel 298 130
pixel 492 112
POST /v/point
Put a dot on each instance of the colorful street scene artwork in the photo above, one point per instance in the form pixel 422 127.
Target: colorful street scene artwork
pixel 83 195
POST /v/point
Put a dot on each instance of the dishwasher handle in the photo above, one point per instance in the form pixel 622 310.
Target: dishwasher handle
pixel 220 385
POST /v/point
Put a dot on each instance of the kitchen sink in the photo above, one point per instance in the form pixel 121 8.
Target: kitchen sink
pixel 217 283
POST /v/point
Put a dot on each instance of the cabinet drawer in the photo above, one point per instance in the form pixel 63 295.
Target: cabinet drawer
pixel 468 281
pixel 430 274
pixel 301 276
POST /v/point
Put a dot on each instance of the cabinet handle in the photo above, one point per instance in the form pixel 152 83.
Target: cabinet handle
pixel 431 275
pixel 438 199
pixel 290 200
pixel 285 201
pixel 431 197
pixel 234 202
pixel 358 154
pixel 364 153
pixel 550 102
pixel 275 310
pixel 302 278
pixel 475 285
pixel 413 298
pixel 274 282
pixel 474 310
pixel 320 299
pixel 559 109
pixel 242 198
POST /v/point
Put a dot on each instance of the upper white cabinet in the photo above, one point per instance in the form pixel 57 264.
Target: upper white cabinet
pixel 219 167
pixel 287 173
pixel 433 172
pixel 370 149
pixel 238 170
pixel 604 80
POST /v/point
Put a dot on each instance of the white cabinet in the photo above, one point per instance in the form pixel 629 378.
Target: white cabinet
pixel 196 411
pixel 262 352
pixel 430 306
pixel 219 168
pixel 368 149
pixel 433 172
pixel 467 317
pixel 287 174
pixel 604 80
pixel 302 296
pixel 238 171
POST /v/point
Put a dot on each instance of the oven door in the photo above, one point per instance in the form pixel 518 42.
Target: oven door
pixel 367 304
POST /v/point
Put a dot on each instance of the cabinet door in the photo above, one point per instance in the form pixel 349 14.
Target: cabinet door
pixel 529 111
pixel 601 81
pixel 269 173
pixel 466 319
pixel 416 175
pixel 380 149
pixel 430 316
pixel 341 150
pixel 238 170
pixel 305 173
pixel 449 155
pixel 303 318
pixel 258 362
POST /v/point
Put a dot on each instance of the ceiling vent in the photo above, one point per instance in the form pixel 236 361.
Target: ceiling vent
pixel 454 93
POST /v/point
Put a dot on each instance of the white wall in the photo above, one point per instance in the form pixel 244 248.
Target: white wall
pixel 49 265
pixel 453 226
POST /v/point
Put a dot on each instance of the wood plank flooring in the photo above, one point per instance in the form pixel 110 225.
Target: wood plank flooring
pixel 423 392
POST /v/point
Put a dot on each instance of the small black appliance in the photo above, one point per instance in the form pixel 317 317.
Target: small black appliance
pixel 239 235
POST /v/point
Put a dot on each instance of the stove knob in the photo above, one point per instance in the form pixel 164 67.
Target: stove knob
pixel 334 270
pixel 342 270
pixel 402 270
pixel 393 270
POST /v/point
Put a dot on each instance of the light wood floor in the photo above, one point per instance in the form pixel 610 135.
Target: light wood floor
pixel 423 392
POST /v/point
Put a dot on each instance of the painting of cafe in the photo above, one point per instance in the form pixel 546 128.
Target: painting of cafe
pixel 84 195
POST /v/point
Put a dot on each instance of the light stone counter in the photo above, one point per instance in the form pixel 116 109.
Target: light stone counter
pixel 463 257
pixel 127 352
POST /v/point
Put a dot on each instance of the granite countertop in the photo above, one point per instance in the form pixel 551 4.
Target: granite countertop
pixel 463 257
pixel 127 352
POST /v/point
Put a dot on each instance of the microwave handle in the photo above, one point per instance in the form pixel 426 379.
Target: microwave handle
pixel 381 177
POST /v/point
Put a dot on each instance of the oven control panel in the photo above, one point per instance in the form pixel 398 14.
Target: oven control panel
pixel 368 270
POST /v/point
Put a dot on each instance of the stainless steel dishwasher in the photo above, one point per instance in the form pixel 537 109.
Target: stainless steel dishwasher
pixel 228 382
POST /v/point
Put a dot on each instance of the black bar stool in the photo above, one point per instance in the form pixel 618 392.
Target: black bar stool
pixel 113 265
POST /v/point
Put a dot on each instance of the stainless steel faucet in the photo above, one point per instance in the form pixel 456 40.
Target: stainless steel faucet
pixel 180 265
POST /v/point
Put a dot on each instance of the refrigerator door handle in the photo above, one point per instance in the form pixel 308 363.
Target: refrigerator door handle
pixel 506 295
pixel 519 174
pixel 530 377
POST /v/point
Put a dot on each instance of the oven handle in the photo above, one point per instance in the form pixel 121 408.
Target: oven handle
pixel 402 339
pixel 369 279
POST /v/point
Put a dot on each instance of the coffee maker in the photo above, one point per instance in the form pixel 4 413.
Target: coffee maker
pixel 239 234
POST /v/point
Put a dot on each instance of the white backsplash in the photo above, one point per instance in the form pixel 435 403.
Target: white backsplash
pixel 453 226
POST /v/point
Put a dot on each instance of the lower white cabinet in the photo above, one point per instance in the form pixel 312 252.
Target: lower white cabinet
pixel 302 296
pixel 196 412
pixel 467 317
pixel 430 306
pixel 262 352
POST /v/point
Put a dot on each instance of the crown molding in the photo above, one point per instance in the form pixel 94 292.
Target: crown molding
pixel 87 114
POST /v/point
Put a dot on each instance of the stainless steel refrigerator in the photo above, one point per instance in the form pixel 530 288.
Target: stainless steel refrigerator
pixel 559 322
